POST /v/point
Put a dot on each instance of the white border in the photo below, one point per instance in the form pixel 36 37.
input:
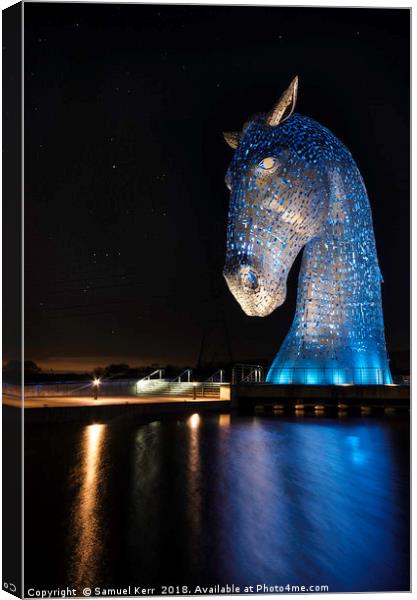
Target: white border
pixel 289 3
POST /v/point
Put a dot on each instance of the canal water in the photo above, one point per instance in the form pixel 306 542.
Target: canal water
pixel 218 499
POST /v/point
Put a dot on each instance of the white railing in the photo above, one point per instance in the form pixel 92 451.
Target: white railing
pixel 217 377
pixel 187 373
pixel 248 374
pixel 158 374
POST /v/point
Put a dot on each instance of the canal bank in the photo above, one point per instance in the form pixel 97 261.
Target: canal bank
pixel 254 396
pixel 245 398
pixel 106 411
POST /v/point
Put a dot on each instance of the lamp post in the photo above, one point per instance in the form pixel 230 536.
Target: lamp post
pixel 96 385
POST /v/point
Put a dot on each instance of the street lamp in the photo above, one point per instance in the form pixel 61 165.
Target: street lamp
pixel 96 385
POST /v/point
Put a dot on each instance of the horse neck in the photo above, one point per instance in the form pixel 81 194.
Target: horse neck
pixel 339 284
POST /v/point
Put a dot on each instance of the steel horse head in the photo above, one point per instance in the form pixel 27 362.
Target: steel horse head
pixel 294 185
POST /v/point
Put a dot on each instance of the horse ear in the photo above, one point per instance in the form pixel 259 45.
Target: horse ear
pixel 232 138
pixel 284 108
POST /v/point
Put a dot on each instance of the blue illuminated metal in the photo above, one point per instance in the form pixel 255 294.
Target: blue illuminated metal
pixel 295 186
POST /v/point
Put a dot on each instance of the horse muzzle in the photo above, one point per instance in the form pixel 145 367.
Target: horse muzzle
pixel 255 296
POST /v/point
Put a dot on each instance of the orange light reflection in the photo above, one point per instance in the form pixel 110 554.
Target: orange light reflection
pixel 87 527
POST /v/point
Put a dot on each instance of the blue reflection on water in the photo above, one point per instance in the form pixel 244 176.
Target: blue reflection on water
pixel 276 502
pixel 220 499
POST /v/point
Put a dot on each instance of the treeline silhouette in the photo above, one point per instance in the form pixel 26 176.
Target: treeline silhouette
pixel 12 370
pixel 34 374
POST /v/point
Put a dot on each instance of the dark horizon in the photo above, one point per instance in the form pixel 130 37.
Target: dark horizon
pixel 125 202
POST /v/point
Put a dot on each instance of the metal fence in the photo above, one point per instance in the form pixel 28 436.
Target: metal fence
pixel 248 374
pixel 167 388
pixel 117 387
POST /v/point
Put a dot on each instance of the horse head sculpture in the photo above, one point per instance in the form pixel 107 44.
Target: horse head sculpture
pixel 294 185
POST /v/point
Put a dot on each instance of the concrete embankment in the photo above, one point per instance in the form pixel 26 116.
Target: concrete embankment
pixel 249 397
pixel 76 409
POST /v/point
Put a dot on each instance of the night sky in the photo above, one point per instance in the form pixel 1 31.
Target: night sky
pixel 125 202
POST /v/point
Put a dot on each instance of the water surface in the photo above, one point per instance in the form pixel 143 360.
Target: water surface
pixel 219 499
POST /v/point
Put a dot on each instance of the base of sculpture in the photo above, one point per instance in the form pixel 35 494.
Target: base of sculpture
pixel 330 377
pixel 293 374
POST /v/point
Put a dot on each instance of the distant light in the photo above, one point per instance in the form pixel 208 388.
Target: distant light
pixel 194 421
pixel 224 420
pixel 96 381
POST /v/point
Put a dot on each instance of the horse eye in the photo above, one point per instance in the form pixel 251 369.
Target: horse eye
pixel 268 164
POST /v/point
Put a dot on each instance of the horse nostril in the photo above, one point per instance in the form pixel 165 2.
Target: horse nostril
pixel 249 280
